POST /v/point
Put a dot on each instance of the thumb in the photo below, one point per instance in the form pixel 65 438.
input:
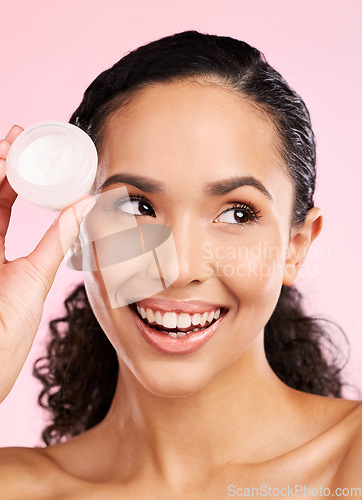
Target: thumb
pixel 51 249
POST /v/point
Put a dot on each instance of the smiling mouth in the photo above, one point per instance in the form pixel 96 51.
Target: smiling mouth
pixel 177 332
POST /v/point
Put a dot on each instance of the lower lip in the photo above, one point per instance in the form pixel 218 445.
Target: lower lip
pixel 184 345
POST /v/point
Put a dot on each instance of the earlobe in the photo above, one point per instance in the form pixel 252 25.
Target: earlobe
pixel 299 244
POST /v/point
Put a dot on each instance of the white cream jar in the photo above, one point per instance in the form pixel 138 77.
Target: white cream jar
pixel 52 164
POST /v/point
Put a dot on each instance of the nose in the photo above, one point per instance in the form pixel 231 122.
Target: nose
pixel 186 264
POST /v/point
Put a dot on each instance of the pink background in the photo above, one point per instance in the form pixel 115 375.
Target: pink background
pixel 51 51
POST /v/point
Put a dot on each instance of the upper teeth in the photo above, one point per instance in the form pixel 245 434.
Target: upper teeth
pixel 180 320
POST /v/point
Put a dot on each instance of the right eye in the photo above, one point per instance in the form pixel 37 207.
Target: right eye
pixel 133 204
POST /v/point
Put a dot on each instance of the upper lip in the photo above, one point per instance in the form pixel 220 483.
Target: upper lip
pixel 179 306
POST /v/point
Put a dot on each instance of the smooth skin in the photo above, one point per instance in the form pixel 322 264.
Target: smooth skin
pixel 188 426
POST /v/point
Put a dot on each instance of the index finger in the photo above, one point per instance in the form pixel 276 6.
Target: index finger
pixel 7 198
pixel 13 133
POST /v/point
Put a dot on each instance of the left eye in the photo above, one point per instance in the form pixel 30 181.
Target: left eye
pixel 237 215
pixel 135 207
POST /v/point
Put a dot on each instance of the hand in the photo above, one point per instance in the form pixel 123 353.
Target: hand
pixel 26 281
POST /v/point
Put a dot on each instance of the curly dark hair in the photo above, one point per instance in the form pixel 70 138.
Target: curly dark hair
pixel 77 389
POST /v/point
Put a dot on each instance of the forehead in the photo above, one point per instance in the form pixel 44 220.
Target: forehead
pixel 191 127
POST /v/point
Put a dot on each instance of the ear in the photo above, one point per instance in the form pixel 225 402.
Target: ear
pixel 300 241
pixel 75 259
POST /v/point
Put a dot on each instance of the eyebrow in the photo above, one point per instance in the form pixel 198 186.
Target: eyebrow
pixel 139 181
pixel 224 186
pixel 217 188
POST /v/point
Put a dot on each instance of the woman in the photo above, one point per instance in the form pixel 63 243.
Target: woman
pixel 199 134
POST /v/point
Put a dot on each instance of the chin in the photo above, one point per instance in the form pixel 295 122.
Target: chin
pixel 173 381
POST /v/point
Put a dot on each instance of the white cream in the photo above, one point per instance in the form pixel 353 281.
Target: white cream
pixel 52 164
pixel 50 159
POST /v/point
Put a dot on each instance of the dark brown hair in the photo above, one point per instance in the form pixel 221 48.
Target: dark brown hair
pixel 79 371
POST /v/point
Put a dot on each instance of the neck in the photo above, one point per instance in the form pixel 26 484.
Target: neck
pixel 234 418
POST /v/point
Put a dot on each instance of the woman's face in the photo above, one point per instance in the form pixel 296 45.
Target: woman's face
pixel 228 204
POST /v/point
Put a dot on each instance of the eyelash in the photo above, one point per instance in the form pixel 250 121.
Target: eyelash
pixel 132 197
pixel 249 208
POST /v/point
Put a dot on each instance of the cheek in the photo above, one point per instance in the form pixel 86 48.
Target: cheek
pixel 251 267
pixel 97 297
pixel 131 268
pixel 252 273
pixel 113 321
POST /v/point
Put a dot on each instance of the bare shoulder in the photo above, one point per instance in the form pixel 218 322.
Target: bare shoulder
pixel 27 473
pixel 349 473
